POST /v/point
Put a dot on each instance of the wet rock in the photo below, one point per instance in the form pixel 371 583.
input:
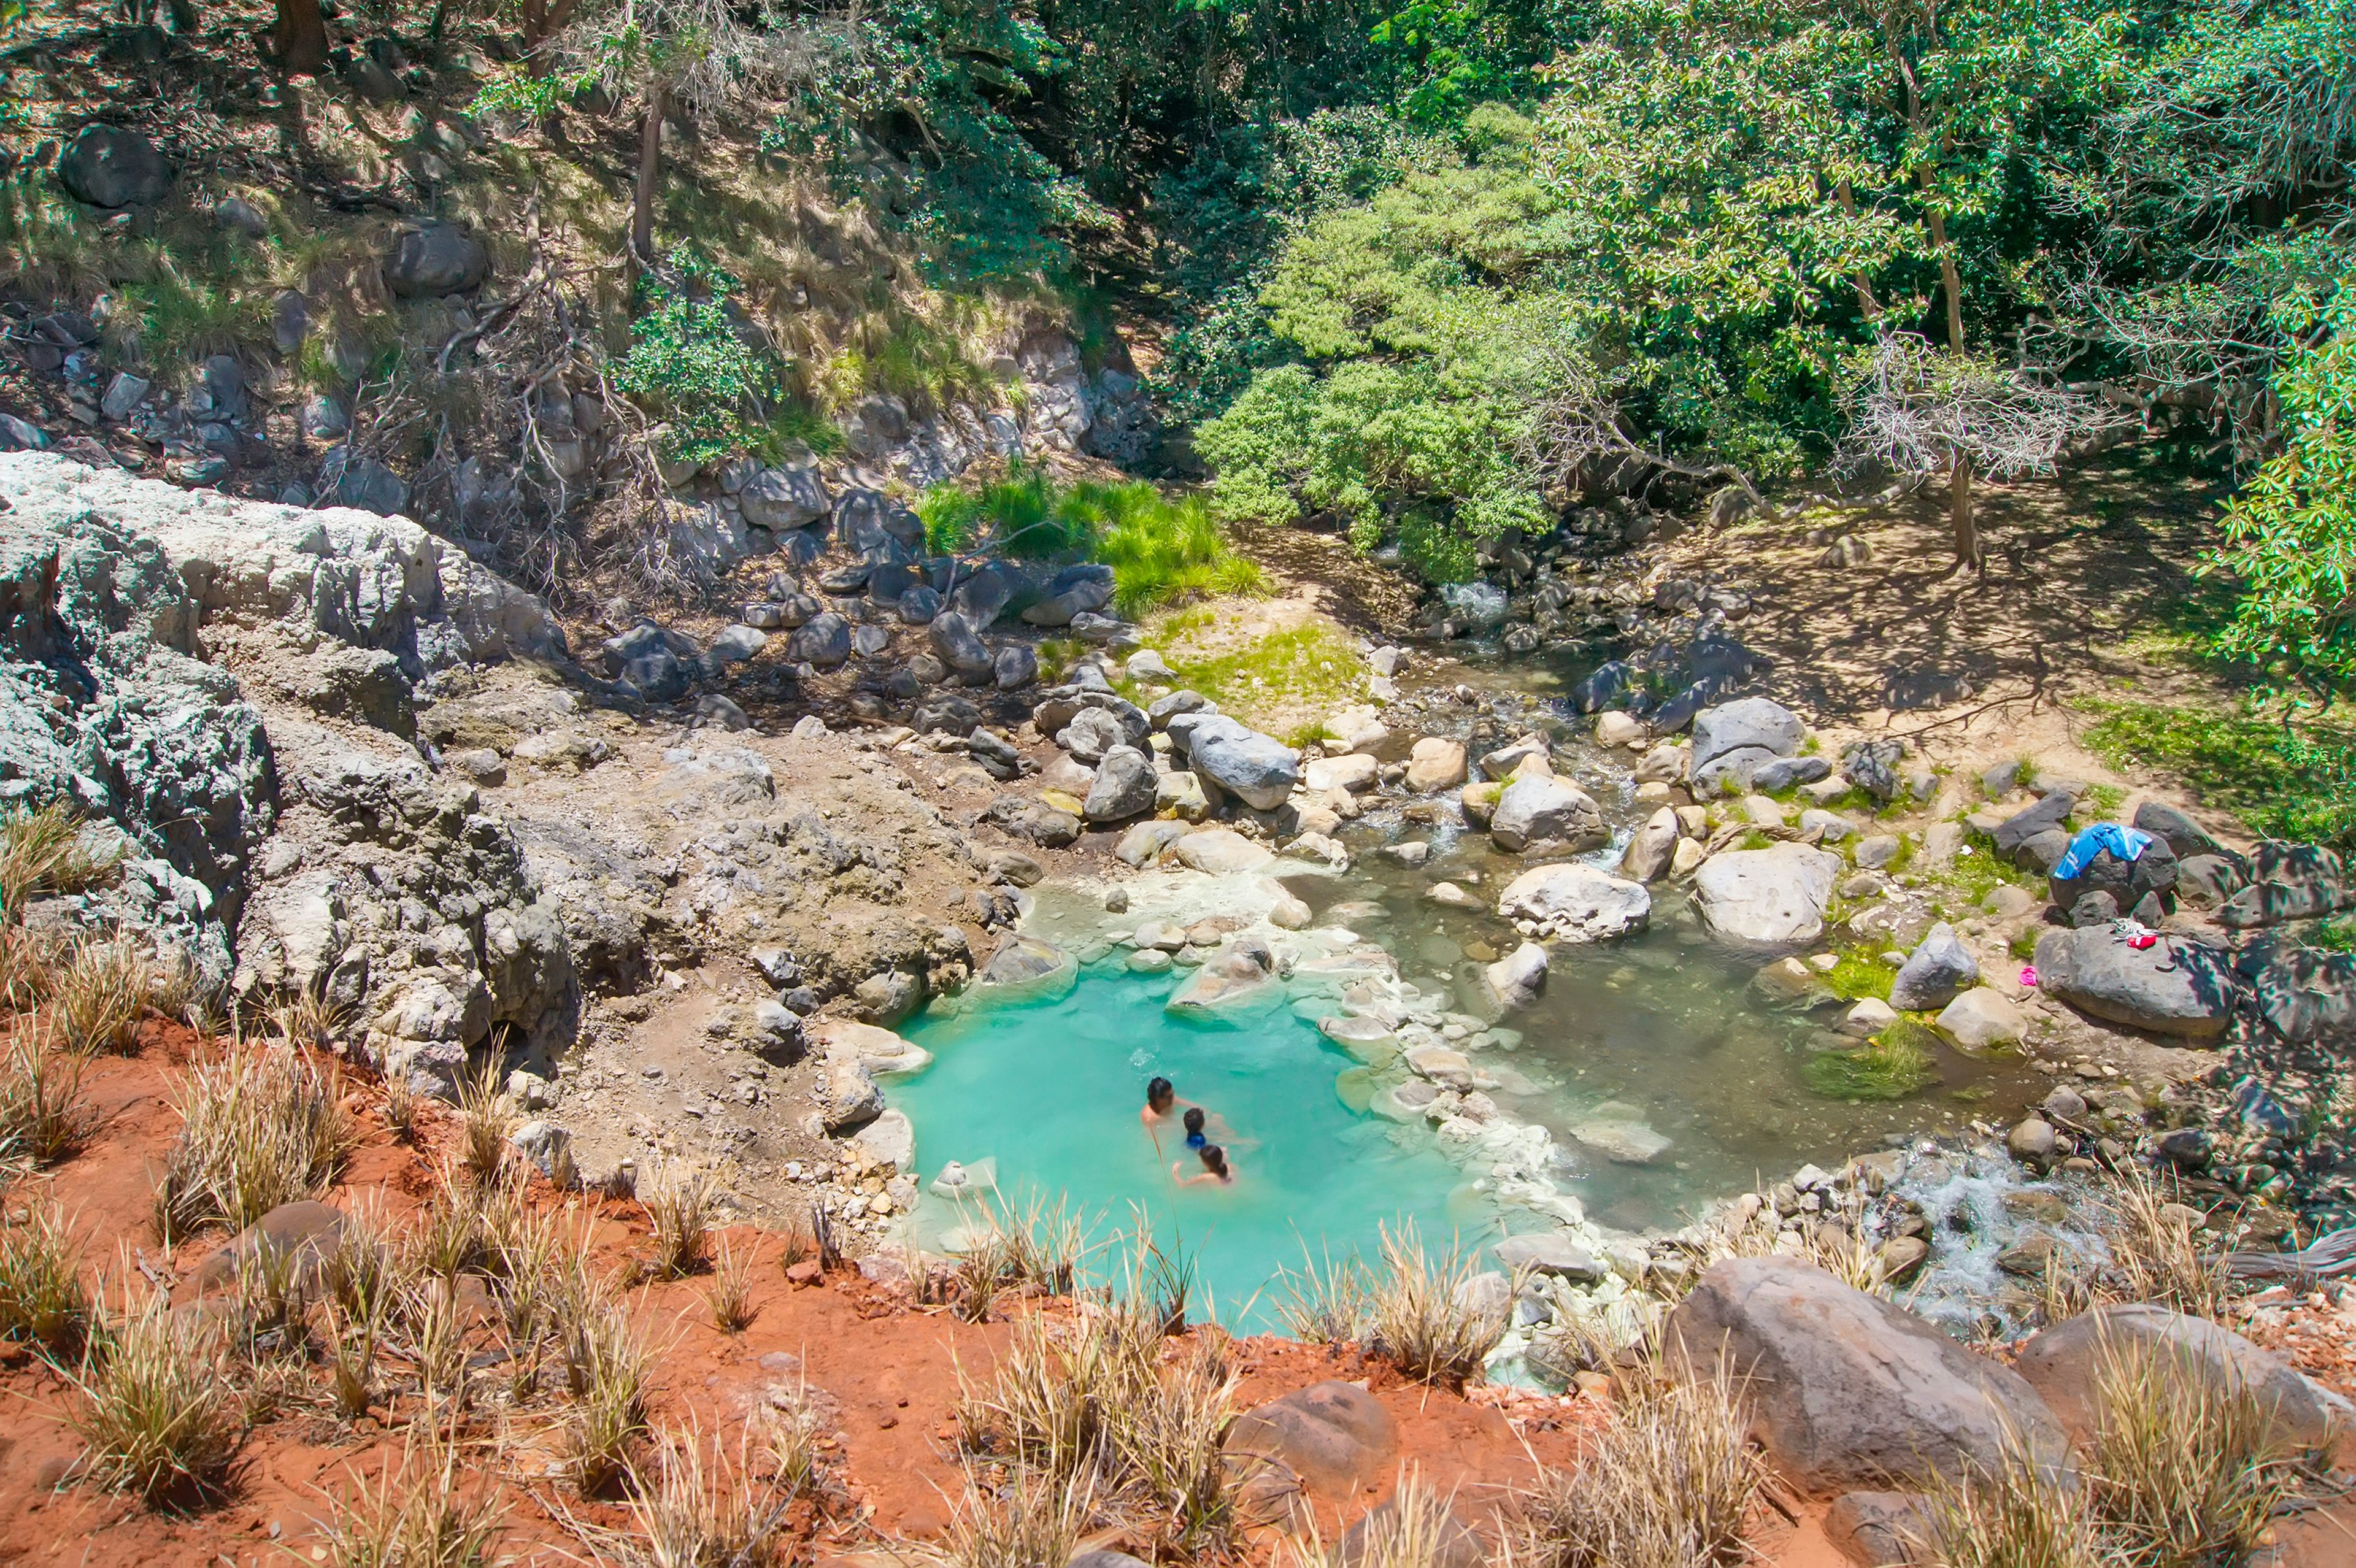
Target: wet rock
pixel 1516 980
pixel 2175 987
pixel 433 259
pixel 1617 1134
pixel 1849 1391
pixel 1436 762
pixel 2033 1141
pixel 1235 979
pixel 1124 787
pixel 1219 852
pixel 1766 897
pixel 2065 1364
pixel 1031 968
pixel 1652 848
pixel 1549 812
pixel 1981 1021
pixel 1935 973
pixel 107 166
pixel 1571 903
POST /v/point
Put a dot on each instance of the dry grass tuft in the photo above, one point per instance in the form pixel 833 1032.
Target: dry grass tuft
pixel 692 1507
pixel 485 1125
pixel 2016 1518
pixel 44 851
pixel 97 993
pixel 1416 1529
pixel 1420 1315
pixel 23 968
pixel 41 1297
pixel 730 1295
pixel 1669 1484
pixel 1035 1516
pixel 679 1207
pixel 42 1118
pixel 609 1367
pixel 400 1106
pixel 156 1411
pixel 260 1126
pixel 417 1515
pixel 2185 1469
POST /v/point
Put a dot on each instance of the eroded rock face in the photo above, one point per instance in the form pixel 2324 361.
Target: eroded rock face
pixel 1849 1391
pixel 113 593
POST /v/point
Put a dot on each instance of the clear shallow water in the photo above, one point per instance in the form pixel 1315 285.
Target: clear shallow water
pixel 1052 1090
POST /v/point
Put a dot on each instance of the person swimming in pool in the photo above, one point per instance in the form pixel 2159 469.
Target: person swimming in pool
pixel 1196 1136
pixel 1216 1169
pixel 1162 1104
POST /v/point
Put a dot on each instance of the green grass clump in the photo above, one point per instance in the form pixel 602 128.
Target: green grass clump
pixel 1891 1065
pixel 1309 665
pixel 2335 935
pixel 1858 975
pixel 1161 550
pixel 2285 783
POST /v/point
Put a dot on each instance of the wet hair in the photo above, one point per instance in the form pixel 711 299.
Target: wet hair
pixel 1214 1159
pixel 1195 1118
pixel 1159 1091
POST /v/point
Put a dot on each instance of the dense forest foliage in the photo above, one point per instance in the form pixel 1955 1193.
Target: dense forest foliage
pixel 1433 272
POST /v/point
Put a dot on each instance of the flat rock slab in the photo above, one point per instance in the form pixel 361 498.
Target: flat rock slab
pixel 2174 987
pixel 1327 1440
pixel 1850 1392
pixel 1767 897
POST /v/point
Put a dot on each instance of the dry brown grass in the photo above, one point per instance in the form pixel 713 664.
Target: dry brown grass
pixel 260 1126
pixel 678 1204
pixel 42 1117
pixel 609 1366
pixel 1415 1530
pixel 1033 1517
pixel 418 1513
pixel 44 850
pixel 730 1294
pixel 156 1410
pixel 41 1296
pixel 1670 1484
pixel 693 1506
pixel 2184 1470
pixel 97 993
pixel 1418 1315
pixel 484 1124
pixel 2016 1518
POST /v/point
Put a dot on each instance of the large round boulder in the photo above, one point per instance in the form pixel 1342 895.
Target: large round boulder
pixel 1847 1391
pixel 1551 813
pixel 1574 903
pixel 2175 987
pixel 1766 897
pixel 107 166
pixel 1256 769
pixel 433 259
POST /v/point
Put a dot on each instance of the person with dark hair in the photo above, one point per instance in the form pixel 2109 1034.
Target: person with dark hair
pixel 1161 1104
pixel 1196 1136
pixel 1214 1169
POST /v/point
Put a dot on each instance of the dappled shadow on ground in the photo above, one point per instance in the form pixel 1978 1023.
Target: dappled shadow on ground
pixel 2078 567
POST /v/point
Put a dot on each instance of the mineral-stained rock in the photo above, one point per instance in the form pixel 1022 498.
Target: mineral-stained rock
pixel 2177 986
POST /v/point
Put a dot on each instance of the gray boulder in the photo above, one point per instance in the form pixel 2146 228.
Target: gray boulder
pixel 1035 820
pixel 1256 769
pixel 1766 897
pixel 1782 772
pixel 1124 786
pixel 1872 766
pixel 1940 969
pixel 961 647
pixel 1652 848
pixel 2175 987
pixel 1550 1251
pixel 782 498
pixel 919 606
pixel 1751 723
pixel 1849 1391
pixel 2066 1365
pixel 1570 902
pixel 367 485
pixel 1092 733
pixel 1514 981
pixel 1548 811
pixel 823 642
pixel 2152 872
pixel 2048 815
pixel 433 259
pixel 2179 831
pixel 107 166
pixel 2288 881
pixel 1014 666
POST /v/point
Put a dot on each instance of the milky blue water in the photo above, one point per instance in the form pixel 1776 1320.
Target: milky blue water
pixel 1052 1090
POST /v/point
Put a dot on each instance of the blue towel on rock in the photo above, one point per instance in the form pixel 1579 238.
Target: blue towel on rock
pixel 2124 843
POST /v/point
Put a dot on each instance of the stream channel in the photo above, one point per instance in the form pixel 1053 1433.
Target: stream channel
pixel 1650 1078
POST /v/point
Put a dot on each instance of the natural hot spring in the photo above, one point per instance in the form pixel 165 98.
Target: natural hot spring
pixel 1051 1090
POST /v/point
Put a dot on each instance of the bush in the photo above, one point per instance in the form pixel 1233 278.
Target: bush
pixel 156 1411
pixel 689 363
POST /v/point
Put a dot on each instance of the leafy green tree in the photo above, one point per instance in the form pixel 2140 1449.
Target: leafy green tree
pixel 2290 536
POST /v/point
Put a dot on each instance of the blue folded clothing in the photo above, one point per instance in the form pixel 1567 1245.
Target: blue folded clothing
pixel 2124 843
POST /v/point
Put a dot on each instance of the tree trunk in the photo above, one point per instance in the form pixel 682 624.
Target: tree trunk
pixel 1959 510
pixel 300 38
pixel 1951 280
pixel 642 210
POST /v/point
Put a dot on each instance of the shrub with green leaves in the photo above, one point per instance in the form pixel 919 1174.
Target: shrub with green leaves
pixel 2290 537
pixel 690 364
